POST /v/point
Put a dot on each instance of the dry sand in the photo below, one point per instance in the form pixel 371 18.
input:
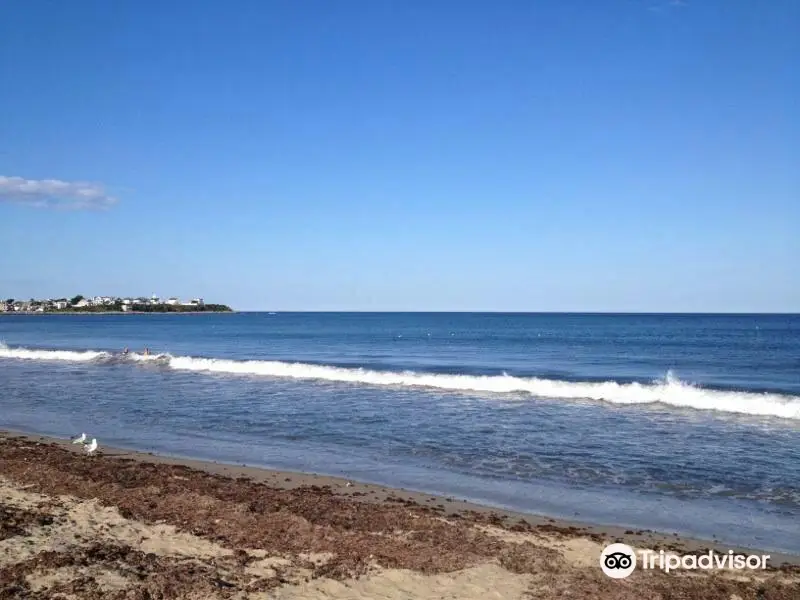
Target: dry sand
pixel 134 526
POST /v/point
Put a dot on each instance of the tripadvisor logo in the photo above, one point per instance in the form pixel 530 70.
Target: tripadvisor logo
pixel 620 560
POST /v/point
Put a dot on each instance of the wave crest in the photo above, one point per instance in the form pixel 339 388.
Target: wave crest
pixel 669 391
pixel 68 355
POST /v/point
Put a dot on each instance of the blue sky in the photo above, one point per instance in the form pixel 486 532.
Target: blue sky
pixel 408 155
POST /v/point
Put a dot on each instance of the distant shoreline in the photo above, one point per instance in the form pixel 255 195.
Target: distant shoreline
pixel 116 312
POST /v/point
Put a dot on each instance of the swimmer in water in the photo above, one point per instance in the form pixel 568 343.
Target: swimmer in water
pixel 125 351
pixel 147 351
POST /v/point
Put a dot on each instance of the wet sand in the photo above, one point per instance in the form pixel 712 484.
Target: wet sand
pixel 130 525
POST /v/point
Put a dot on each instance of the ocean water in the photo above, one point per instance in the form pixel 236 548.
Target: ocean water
pixel 684 423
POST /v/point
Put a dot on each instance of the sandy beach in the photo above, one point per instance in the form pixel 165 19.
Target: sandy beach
pixel 122 524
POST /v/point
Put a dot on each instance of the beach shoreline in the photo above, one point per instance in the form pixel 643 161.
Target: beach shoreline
pixel 378 493
pixel 123 524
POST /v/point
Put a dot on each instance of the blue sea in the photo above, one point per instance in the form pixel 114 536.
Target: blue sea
pixel 680 423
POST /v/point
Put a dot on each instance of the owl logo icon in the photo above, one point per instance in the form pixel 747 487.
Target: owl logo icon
pixel 618 560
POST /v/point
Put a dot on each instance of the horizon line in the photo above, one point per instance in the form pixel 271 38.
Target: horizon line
pixel 524 312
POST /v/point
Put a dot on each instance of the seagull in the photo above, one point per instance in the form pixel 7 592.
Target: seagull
pixel 81 439
pixel 91 447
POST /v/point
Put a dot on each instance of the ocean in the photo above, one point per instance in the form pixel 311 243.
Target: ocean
pixel 680 423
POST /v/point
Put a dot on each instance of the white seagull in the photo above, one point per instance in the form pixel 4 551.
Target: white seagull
pixel 91 447
pixel 81 439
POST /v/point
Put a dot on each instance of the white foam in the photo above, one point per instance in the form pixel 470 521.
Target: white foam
pixel 146 358
pixel 670 391
pixel 68 355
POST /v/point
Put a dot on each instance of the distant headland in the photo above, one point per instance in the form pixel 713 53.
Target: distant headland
pixel 110 304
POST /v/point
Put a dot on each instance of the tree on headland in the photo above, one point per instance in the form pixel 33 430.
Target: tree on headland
pixel 9 301
pixel 75 300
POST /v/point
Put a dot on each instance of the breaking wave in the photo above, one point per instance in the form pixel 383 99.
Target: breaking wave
pixel 68 355
pixel 669 391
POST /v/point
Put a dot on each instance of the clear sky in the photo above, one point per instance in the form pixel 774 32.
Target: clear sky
pixel 617 155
